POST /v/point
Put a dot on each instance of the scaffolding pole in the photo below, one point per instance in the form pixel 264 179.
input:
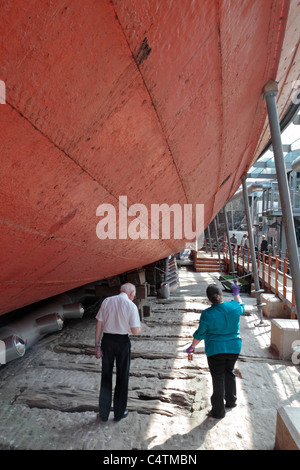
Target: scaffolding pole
pixel 233 272
pixel 252 251
pixel 210 242
pixel 270 93
pixel 217 241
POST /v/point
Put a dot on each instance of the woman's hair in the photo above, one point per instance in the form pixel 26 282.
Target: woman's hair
pixel 214 294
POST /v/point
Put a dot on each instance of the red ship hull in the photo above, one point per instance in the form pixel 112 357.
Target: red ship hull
pixel 160 101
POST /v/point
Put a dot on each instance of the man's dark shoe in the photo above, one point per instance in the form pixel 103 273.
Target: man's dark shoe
pixel 123 416
pixel 103 418
pixel 230 405
pixel 210 414
pixel 103 413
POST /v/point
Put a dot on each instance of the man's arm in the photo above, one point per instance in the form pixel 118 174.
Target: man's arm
pixel 98 335
pixel 134 319
pixel 98 332
pixel 138 330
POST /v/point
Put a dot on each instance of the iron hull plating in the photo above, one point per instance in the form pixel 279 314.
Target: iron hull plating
pixel 158 101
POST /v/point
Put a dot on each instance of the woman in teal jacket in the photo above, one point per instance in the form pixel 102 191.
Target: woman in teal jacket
pixel 219 326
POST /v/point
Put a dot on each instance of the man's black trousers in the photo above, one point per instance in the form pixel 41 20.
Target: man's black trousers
pixel 115 348
pixel 221 367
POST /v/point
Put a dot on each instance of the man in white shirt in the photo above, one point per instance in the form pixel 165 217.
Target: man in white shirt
pixel 243 240
pixel 117 318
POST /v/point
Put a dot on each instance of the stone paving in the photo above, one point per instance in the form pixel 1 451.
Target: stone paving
pixel 49 397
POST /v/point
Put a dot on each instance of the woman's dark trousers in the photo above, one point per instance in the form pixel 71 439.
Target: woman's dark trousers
pixel 114 347
pixel 221 367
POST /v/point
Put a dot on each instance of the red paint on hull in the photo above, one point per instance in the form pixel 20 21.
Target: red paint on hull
pixel 158 101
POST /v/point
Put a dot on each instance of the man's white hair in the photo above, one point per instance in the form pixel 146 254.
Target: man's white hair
pixel 128 288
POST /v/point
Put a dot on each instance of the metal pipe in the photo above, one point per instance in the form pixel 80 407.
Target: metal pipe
pixel 205 243
pixel 296 164
pixel 210 243
pixel 64 305
pixel 217 241
pixel 233 272
pixel 25 332
pixel 33 327
pixel 252 249
pixel 48 323
pixel 252 188
pixel 11 347
pixel 271 90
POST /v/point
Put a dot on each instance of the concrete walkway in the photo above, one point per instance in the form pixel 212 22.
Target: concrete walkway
pixel 48 398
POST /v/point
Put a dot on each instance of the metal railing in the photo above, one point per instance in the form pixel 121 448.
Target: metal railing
pixel 273 272
pixel 272 201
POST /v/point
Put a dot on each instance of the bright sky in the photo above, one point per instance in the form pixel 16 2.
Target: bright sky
pixel 291 136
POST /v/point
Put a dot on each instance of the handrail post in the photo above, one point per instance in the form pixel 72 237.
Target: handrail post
pixel 276 274
pixel 293 305
pixel 284 278
pixel 251 249
pixel 269 273
pixel 263 269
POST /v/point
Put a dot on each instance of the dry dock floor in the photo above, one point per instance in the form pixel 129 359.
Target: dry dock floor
pixel 49 397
